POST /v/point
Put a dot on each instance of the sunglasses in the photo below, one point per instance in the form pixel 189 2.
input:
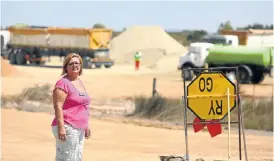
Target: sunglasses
pixel 73 64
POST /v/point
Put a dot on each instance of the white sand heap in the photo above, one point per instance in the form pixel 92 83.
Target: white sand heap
pixel 152 41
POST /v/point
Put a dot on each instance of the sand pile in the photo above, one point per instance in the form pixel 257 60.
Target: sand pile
pixel 6 68
pixel 152 41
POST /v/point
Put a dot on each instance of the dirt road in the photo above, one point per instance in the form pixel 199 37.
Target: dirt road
pixel 118 82
pixel 28 137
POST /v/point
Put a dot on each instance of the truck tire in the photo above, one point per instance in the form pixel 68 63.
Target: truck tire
pixel 9 54
pixel 107 66
pixel 20 58
pixel 98 66
pixel 245 74
pixel 86 62
pixel 187 75
pixel 12 58
pixel 38 62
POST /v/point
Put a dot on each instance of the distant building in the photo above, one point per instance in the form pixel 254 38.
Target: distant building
pixel 253 37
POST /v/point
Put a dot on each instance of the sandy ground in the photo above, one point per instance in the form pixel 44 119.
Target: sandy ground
pixel 119 81
pixel 28 137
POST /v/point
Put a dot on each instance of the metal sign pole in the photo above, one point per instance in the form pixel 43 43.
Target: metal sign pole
pixel 200 88
pixel 239 112
pixel 185 119
pixel 228 109
pixel 242 122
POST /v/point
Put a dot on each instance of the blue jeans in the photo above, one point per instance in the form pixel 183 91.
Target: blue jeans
pixel 72 148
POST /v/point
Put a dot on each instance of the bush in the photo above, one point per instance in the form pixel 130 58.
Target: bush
pixel 37 93
pixel 257 114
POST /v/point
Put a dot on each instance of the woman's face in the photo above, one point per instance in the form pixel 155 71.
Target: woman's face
pixel 74 65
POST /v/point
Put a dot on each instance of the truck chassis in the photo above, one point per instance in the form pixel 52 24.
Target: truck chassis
pixel 22 55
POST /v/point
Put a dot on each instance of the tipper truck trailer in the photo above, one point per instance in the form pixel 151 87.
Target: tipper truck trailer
pixel 253 62
pixel 34 44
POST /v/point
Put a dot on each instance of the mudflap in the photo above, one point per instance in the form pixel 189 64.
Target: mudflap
pixel 172 158
pixel 271 73
pixel 106 64
pixel 38 61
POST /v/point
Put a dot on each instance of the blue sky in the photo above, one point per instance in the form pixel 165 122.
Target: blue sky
pixel 176 15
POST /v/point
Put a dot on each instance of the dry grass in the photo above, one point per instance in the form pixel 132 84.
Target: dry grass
pixel 160 108
pixel 34 99
pixel 36 93
pixel 257 114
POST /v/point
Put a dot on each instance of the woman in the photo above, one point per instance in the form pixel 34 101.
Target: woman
pixel 71 105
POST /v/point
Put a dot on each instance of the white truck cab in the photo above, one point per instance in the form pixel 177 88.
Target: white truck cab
pixel 198 51
pixel 195 57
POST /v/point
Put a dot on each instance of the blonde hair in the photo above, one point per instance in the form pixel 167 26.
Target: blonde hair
pixel 67 60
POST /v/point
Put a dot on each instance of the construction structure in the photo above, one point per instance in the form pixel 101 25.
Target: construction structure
pixel 253 37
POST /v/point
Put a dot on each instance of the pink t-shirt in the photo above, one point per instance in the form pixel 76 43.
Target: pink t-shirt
pixel 76 105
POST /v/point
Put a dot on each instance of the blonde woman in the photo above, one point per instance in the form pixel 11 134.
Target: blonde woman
pixel 71 104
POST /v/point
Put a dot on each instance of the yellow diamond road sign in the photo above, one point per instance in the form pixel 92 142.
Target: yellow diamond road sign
pixel 207 96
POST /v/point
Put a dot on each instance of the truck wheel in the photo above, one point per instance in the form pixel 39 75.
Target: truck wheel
pixel 12 58
pixel 86 62
pixel 9 54
pixel 245 74
pixel 38 62
pixel 107 66
pixel 20 58
pixel 187 75
pixel 258 77
pixel 98 65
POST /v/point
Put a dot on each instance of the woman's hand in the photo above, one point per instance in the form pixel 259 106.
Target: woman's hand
pixel 87 133
pixel 62 133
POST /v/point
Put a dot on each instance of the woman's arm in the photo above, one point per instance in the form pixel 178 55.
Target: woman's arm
pixel 87 130
pixel 59 97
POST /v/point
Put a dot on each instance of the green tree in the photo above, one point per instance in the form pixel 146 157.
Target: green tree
pixel 196 35
pixel 98 25
pixel 256 26
pixel 225 26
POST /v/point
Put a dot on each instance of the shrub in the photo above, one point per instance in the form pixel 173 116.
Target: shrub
pixel 37 96
pixel 257 114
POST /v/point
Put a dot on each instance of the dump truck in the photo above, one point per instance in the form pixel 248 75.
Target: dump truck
pixel 33 44
pixel 253 62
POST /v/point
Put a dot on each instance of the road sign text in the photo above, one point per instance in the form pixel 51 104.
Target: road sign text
pixel 216 109
pixel 205 84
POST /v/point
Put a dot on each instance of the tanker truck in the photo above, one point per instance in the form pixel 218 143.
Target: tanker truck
pixel 28 45
pixel 253 62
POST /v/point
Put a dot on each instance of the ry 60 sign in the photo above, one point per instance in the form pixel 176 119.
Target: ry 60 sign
pixel 207 96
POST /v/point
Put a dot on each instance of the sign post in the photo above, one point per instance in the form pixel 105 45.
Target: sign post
pixel 212 96
pixel 228 107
